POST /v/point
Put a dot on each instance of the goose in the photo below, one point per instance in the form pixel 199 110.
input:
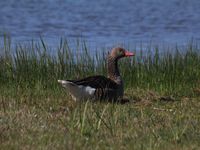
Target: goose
pixel 99 87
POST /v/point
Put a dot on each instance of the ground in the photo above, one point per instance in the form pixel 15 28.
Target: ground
pixel 149 121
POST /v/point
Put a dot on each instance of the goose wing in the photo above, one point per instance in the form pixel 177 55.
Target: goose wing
pixel 96 82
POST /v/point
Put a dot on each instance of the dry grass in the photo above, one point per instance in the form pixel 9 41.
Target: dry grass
pixel 59 123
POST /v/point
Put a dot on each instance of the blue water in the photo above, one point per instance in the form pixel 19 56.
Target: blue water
pixel 103 22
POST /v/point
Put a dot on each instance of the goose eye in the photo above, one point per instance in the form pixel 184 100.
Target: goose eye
pixel 120 52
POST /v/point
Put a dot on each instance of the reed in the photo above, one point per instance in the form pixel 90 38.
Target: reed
pixel 32 65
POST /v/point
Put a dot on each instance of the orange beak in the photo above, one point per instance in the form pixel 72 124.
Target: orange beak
pixel 128 54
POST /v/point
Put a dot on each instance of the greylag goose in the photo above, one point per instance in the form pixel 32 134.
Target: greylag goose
pixel 99 87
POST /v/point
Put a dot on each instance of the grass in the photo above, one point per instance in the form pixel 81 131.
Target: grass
pixel 36 113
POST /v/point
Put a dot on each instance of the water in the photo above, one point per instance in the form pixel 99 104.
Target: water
pixel 101 23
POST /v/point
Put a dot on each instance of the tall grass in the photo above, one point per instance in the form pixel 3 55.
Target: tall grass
pixel 31 65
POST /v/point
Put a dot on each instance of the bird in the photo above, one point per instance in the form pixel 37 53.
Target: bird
pixel 99 87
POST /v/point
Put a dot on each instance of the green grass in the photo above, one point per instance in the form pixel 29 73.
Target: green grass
pixel 36 113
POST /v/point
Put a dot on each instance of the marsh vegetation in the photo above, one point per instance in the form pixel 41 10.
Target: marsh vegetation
pixel 37 113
